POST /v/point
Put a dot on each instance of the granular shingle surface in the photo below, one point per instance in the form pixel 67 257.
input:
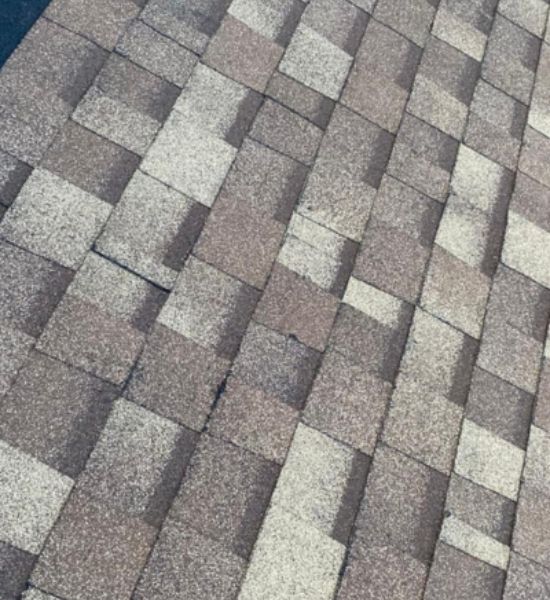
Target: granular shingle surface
pixel 275 301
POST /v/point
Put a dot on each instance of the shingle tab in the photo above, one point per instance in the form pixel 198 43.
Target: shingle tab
pixel 75 406
pixel 489 460
pixel 32 495
pixel 316 62
pixel 54 219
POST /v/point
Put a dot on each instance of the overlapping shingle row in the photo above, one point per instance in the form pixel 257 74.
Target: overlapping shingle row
pixel 274 301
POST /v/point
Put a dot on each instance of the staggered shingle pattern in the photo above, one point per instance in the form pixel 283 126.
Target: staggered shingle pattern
pixel 274 301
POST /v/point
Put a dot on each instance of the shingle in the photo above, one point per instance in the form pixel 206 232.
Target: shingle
pixel 318 254
pixel 531 200
pixel 530 16
pixel 13 174
pixel 24 141
pixel 423 157
pixel 225 493
pixel 480 181
pixel 209 307
pixel 473 236
pixel 381 76
pixel 439 357
pixel 526 248
pixel 143 91
pixel 59 61
pixel 478 13
pixel 383 307
pixel 399 206
pixel 15 568
pixel 242 54
pixel 32 494
pixel 534 155
pixel 191 28
pixel 54 219
pixel 541 416
pixel 443 87
pixel 500 407
pixel 40 104
pixel 30 288
pixel 457 576
pixel 520 302
pixel 495 125
pixel 295 306
pixel 117 292
pixel 137 463
pixel 101 22
pixel 14 348
pixel 218 104
pixel 316 62
pixel 292 559
pixel 315 481
pixel 511 59
pixel 302 99
pixel 281 366
pixel 392 260
pixel 185 564
pixel 115 121
pixel 347 403
pixel 383 572
pixel 255 421
pixel 471 541
pixel 156 53
pixel 455 292
pixel 488 460
pixel 274 19
pixel 510 354
pixel 339 22
pixel 285 131
pixel 189 158
pixel 152 229
pixel 538 112
pixel 55 413
pixel 526 580
pixel 486 511
pixel 93 163
pixel 240 240
pixel 369 343
pixel 93 553
pixel 413 18
pixel 532 528
pixel 450 69
pixel 402 507
pixel 465 25
pixel 473 224
pixel 536 474
pixel 30 104
pixel 176 378
pixel 84 336
pixel 423 425
pixel 266 180
pixel 349 166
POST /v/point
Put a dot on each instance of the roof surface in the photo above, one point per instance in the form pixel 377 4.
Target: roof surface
pixel 274 300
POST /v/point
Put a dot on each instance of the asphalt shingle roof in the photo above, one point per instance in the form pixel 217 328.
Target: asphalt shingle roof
pixel 274 301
